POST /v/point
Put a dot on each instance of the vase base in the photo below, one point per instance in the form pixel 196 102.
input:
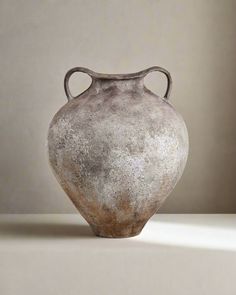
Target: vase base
pixel 117 231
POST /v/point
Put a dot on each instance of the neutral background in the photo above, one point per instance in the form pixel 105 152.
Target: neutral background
pixel 41 40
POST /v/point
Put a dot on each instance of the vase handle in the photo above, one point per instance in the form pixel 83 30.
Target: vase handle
pixel 168 76
pixel 67 78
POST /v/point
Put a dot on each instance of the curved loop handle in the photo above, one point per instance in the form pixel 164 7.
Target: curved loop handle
pixel 168 76
pixel 120 76
pixel 67 78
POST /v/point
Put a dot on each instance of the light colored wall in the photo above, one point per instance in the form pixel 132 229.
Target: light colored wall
pixel 194 40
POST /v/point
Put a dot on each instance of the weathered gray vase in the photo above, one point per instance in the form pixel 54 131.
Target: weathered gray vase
pixel 117 150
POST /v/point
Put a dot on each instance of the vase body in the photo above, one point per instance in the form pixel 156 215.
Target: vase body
pixel 117 150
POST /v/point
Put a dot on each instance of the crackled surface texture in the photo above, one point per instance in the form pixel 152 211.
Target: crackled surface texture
pixel 117 150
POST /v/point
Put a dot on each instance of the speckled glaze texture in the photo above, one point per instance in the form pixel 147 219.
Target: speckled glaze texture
pixel 117 150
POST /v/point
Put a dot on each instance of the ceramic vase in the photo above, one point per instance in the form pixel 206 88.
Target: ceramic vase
pixel 117 150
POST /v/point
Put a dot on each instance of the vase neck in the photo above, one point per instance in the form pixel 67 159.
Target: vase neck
pixel 133 84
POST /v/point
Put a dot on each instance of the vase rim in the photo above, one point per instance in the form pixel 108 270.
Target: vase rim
pixel 127 76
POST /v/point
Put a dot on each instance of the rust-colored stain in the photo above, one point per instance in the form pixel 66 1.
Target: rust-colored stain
pixel 117 150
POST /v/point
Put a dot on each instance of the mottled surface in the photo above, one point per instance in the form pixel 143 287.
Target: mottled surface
pixel 117 150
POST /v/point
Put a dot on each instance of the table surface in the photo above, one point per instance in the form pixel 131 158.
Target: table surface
pixel 58 253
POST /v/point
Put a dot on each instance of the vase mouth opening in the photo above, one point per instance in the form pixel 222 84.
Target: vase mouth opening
pixel 128 76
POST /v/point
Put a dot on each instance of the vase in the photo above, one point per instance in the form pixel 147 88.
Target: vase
pixel 117 150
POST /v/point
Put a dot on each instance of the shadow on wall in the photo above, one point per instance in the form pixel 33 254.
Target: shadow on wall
pixel 208 183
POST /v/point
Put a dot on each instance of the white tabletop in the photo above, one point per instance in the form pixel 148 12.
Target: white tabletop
pixel 175 254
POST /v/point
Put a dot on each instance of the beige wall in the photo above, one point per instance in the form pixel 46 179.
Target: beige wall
pixel 194 40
